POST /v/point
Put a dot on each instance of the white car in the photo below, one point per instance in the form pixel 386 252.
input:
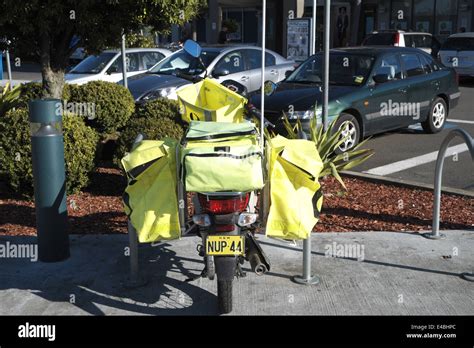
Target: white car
pixel 458 53
pixel 421 40
pixel 107 66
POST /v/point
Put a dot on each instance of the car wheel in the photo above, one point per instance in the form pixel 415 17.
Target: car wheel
pixel 350 128
pixel 437 117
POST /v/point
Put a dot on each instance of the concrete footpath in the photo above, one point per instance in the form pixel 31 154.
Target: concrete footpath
pixel 384 273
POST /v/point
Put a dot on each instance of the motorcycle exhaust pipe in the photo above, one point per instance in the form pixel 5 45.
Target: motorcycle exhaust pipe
pixel 257 265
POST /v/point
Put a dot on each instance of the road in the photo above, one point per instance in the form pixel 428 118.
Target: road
pixel 410 154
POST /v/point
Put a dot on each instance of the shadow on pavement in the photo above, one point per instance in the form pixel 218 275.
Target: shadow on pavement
pixel 95 276
pixel 379 263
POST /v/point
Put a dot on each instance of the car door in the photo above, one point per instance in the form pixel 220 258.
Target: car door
pixel 254 63
pixel 234 65
pixel 432 86
pixel 385 98
pixel 150 58
pixel 458 53
pixel 114 71
pixel 419 88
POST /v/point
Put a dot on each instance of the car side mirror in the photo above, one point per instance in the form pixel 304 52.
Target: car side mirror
pixel 381 78
pixel 112 70
pixel 269 88
pixel 220 72
pixel 384 74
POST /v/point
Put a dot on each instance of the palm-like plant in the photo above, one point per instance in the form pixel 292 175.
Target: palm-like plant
pixel 9 98
pixel 327 143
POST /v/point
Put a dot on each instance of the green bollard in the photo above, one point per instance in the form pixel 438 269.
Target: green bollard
pixel 47 149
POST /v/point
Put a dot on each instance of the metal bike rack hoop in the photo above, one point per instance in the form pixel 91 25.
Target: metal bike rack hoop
pixel 435 234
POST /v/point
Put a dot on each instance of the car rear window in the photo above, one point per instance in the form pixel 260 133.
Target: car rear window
pixel 459 44
pixel 384 39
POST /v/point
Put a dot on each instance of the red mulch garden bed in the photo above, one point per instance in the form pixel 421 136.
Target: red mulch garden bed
pixel 367 206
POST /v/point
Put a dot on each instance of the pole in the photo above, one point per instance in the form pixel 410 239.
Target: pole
pixel 124 63
pixel 313 47
pixel 1 65
pixel 435 234
pixel 327 26
pixel 308 278
pixel 47 152
pixel 9 68
pixel 262 79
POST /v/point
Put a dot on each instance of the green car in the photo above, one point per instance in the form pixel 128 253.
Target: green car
pixel 372 90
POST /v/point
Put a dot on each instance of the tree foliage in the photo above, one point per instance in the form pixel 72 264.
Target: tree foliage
pixel 51 30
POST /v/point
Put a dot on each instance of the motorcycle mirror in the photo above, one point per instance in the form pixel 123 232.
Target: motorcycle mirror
pixel 269 88
pixel 192 48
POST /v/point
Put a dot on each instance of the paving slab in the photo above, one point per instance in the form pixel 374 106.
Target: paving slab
pixel 369 273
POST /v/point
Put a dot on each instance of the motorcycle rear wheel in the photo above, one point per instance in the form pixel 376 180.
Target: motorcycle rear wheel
pixel 224 296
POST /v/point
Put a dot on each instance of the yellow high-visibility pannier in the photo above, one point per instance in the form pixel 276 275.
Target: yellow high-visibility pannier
pixel 294 169
pixel 208 100
pixel 150 199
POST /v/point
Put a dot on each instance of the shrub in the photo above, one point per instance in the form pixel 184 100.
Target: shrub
pixel 8 98
pixel 159 108
pixel 114 104
pixel 34 90
pixel 29 91
pixel 15 152
pixel 156 126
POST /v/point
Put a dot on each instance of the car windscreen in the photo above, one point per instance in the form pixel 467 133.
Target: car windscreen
pixel 380 39
pixel 344 69
pixel 93 64
pixel 458 44
pixel 185 63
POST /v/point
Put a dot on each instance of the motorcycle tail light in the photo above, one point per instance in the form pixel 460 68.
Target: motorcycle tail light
pixel 224 205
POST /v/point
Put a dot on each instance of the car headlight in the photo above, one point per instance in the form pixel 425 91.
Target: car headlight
pixel 159 93
pixel 303 115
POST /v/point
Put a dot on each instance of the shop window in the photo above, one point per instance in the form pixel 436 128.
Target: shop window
pixel 446 14
pixel 423 14
pixel 401 14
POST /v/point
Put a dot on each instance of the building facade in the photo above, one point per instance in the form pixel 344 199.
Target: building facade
pixel 351 20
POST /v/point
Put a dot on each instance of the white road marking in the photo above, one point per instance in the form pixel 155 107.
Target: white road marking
pixel 460 121
pixel 415 161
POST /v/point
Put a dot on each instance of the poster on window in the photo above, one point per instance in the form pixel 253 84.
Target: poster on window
pixel 445 28
pixel 298 39
pixel 423 26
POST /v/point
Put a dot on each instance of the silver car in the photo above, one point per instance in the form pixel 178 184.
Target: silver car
pixel 458 53
pixel 107 66
pixel 237 63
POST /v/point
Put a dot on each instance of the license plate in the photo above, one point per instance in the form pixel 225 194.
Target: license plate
pixel 225 245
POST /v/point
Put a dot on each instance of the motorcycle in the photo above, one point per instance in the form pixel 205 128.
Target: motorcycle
pixel 226 222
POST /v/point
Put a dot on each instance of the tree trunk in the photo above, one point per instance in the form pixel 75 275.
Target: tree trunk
pixel 52 70
pixel 53 82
